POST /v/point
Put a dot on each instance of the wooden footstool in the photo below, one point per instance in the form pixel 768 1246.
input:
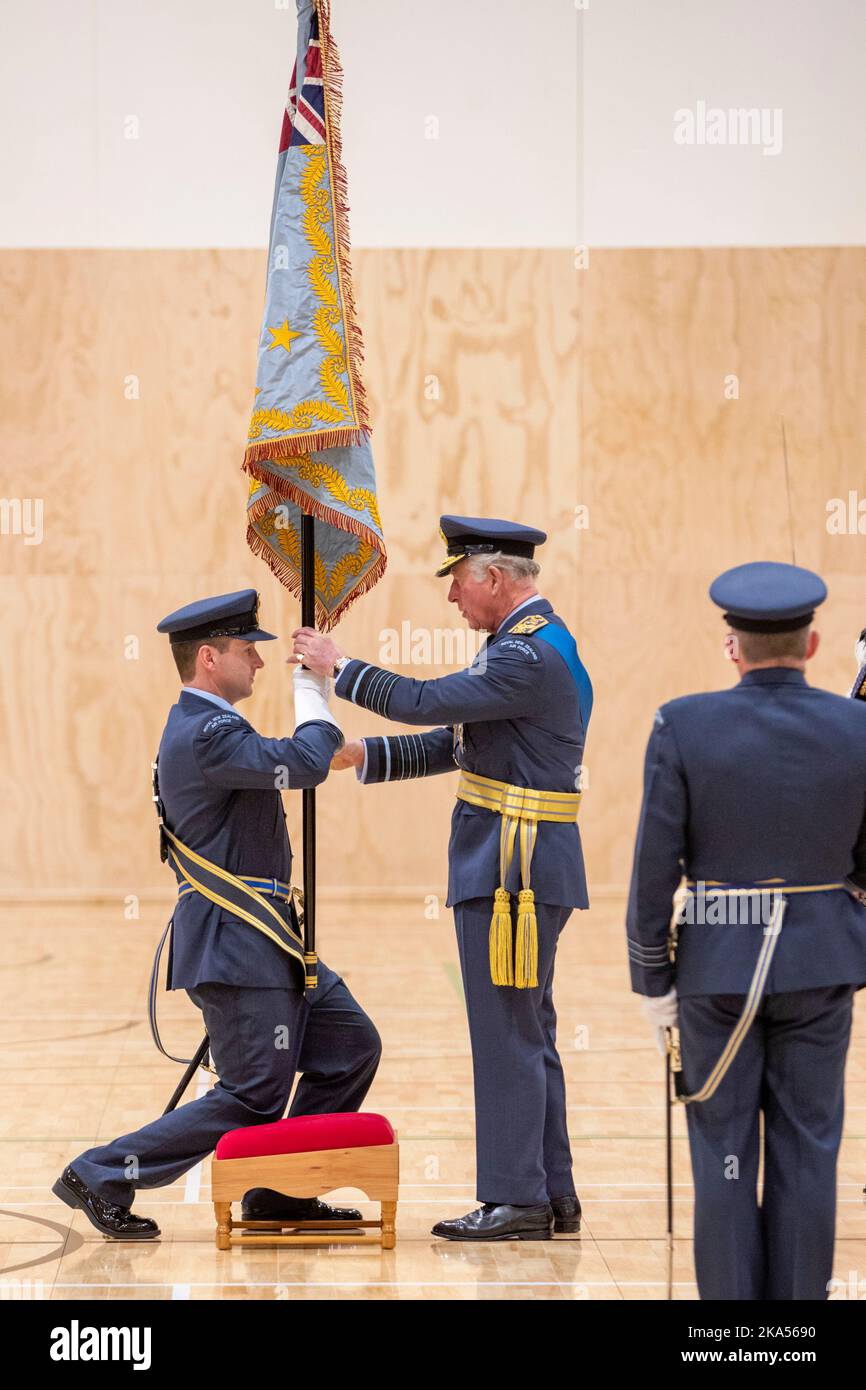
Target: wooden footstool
pixel 308 1156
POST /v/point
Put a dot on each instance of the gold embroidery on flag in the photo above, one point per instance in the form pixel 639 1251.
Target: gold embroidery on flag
pixel 317 473
pixel 358 498
pixel 317 213
pixel 302 415
pixel 329 583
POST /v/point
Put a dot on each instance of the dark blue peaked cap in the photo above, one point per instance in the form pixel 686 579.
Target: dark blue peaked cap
pixel 475 535
pixel 765 596
pixel 225 615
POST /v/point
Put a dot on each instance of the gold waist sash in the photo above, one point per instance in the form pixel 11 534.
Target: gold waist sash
pixel 520 809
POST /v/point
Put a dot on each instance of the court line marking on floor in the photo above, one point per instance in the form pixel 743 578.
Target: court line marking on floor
pixel 192 1182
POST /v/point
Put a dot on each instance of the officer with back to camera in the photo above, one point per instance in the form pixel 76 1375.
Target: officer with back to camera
pixel 757 795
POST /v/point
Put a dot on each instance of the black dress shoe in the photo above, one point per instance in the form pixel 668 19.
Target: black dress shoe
pixel 566 1215
pixel 117 1222
pixel 492 1222
pixel 263 1204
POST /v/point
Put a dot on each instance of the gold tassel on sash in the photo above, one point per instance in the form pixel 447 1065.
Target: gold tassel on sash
pixel 501 928
pixel 501 970
pixel 519 808
pixel 526 949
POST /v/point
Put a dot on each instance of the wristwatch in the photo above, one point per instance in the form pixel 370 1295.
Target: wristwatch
pixel 338 665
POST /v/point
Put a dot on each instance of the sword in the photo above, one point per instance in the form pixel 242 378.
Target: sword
pixel 673 1071
pixel 199 1059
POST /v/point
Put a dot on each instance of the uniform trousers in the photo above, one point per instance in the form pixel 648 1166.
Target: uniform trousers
pixel 521 1135
pixel 791 1068
pixel 259 1039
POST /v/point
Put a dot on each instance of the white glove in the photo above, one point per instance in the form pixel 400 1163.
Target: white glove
pixel 311 697
pixel 860 653
pixel 662 1013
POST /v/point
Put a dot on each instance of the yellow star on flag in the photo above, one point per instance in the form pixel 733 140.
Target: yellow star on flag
pixel 282 337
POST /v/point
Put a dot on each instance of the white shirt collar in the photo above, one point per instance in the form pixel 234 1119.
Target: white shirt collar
pixel 532 599
pixel 208 695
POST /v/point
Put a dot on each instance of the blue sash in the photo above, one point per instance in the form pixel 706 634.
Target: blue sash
pixel 562 641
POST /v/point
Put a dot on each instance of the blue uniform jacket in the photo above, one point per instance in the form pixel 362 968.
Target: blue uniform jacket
pixel 765 780
pixel 219 783
pixel 514 715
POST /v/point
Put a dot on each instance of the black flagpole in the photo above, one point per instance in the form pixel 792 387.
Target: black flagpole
pixel 308 619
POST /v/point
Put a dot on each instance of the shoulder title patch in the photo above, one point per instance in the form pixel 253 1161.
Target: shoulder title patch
pixel 528 625
pixel 218 721
pixel 514 644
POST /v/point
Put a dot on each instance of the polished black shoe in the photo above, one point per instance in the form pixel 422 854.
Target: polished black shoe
pixel 263 1204
pixel 566 1215
pixel 117 1222
pixel 492 1222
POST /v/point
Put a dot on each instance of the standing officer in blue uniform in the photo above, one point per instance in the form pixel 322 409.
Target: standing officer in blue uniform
pixel 757 795
pixel 235 947
pixel 513 725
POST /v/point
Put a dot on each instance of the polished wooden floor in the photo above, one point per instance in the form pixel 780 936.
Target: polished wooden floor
pixel 78 1068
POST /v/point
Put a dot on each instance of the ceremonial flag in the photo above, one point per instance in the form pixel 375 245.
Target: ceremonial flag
pixel 308 449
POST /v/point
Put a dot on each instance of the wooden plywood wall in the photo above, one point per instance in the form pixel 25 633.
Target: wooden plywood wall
pixel 126 389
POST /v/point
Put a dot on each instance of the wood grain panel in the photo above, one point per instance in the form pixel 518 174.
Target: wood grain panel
pixel 556 388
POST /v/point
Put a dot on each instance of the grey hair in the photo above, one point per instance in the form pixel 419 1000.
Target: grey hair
pixel 519 567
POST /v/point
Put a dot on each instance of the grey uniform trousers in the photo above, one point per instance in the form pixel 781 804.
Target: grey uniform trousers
pixel 259 1039
pixel 791 1067
pixel 521 1135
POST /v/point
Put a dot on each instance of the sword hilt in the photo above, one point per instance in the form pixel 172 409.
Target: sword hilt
pixel 160 809
pixel 672 1041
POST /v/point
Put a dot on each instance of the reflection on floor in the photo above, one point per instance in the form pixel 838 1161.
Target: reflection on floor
pixel 78 1067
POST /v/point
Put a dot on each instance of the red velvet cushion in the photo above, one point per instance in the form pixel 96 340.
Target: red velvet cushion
pixel 305 1134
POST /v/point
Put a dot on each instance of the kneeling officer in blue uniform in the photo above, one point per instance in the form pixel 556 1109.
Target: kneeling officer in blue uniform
pixel 240 960
pixel 757 795
pixel 513 727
